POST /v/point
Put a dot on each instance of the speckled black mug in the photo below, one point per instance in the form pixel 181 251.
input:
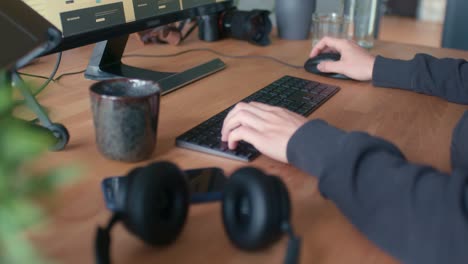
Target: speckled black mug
pixel 125 114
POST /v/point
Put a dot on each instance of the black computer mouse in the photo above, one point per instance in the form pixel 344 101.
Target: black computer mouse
pixel 311 65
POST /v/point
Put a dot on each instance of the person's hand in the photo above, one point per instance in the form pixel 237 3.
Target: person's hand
pixel 355 61
pixel 267 128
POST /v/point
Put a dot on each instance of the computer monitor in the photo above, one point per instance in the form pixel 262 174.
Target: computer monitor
pixel 109 23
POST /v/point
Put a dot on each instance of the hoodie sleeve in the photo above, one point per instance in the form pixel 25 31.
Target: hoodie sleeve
pixel 445 78
pixel 413 212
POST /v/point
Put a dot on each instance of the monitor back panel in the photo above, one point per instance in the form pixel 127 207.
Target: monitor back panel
pixel 23 31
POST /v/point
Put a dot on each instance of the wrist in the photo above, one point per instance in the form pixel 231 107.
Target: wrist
pixel 313 146
pixel 371 67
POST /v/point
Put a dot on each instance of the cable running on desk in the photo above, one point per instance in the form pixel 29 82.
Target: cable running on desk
pixel 48 79
pixel 178 54
pixel 217 53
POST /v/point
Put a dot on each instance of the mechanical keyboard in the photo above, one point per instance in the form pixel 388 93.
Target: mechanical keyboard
pixel 295 94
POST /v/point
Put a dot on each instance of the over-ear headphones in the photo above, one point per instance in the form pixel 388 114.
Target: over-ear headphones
pixel 153 201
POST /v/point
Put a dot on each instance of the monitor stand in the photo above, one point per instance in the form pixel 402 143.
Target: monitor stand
pixel 106 64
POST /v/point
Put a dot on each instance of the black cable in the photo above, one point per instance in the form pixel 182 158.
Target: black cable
pixel 56 79
pixel 47 82
pixel 217 53
pixel 67 74
pixel 185 52
pixel 34 76
pixel 52 75
pixel 191 29
pixel 182 25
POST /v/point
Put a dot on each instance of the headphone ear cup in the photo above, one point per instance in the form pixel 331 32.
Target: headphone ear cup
pixel 157 203
pixel 252 209
pixel 282 194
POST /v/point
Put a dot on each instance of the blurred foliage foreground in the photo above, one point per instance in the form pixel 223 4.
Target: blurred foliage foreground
pixel 21 143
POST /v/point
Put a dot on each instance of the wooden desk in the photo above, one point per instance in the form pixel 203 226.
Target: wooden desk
pixel 420 125
pixel 411 31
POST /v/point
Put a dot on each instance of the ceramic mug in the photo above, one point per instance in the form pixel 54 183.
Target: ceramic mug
pixel 125 115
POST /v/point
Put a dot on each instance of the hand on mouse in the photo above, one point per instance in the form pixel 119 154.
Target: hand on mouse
pixel 266 127
pixel 355 62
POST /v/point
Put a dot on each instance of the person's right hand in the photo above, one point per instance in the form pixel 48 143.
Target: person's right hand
pixel 267 128
pixel 355 61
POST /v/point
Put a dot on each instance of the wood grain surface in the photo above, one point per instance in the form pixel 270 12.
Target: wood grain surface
pixel 420 125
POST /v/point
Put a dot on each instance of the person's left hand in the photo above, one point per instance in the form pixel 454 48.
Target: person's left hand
pixel 266 127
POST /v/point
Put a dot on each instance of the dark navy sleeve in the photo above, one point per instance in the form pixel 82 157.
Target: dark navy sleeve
pixel 445 78
pixel 459 146
pixel 414 212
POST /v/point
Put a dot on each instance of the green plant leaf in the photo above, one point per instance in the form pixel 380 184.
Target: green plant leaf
pixel 43 184
pixel 15 217
pixel 4 180
pixel 5 99
pixel 21 141
pixel 15 249
pixel 18 214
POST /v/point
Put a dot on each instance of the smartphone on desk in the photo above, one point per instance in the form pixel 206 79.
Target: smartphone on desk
pixel 206 184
